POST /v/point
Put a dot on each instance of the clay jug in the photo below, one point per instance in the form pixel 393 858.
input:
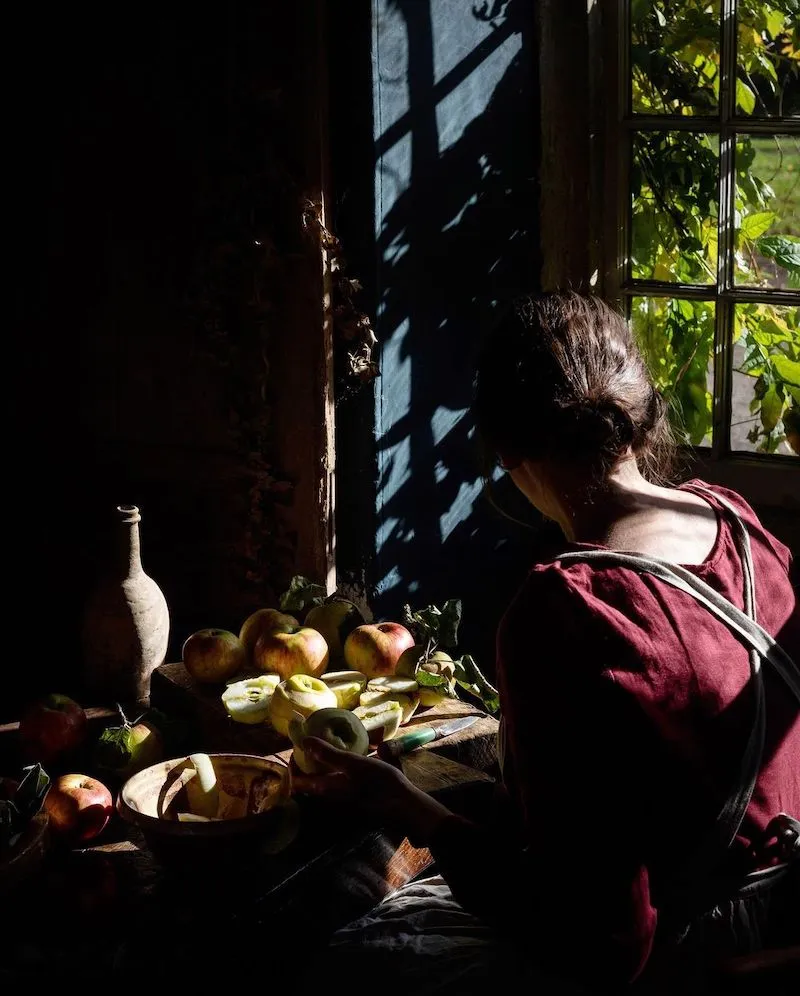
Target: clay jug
pixel 126 624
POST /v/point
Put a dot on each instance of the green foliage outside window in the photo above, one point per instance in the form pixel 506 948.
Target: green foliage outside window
pixel 675 69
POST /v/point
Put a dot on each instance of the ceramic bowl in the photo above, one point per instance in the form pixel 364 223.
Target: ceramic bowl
pixel 256 813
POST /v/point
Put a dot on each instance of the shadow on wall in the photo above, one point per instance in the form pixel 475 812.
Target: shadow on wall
pixel 456 201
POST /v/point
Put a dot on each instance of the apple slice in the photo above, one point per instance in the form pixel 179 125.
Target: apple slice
pixel 247 701
pixel 407 703
pixel 393 683
pixel 346 686
pixel 381 721
pixel 202 791
pixel 195 818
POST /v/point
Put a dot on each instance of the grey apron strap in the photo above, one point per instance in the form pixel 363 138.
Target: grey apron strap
pixel 761 646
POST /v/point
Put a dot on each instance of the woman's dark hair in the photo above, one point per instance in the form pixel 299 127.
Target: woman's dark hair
pixel 561 378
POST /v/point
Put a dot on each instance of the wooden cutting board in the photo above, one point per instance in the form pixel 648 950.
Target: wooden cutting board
pixel 174 692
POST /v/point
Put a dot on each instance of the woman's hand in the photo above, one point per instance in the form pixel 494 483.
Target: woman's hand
pixel 376 787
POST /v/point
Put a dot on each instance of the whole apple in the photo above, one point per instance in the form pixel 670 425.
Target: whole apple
pixel 262 621
pixel 211 656
pixel 375 648
pixel 78 806
pixel 336 620
pixel 291 650
pixel 52 727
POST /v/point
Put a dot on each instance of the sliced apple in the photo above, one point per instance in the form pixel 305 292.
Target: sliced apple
pixel 195 818
pixel 381 721
pixel 407 703
pixel 393 683
pixel 202 791
pixel 346 686
pixel 247 701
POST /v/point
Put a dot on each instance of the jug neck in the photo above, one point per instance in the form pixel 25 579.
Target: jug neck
pixel 130 556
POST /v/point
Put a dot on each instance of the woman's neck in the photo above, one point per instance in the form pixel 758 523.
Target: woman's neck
pixel 587 512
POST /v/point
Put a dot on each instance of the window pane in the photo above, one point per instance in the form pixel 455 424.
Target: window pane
pixel 766 379
pixel 677 339
pixel 674 51
pixel 674 207
pixel 768 58
pixel 768 211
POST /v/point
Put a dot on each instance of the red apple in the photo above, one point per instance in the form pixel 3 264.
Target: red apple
pixel 79 807
pixel 375 648
pixel 52 726
pixel 263 621
pixel 211 656
pixel 291 649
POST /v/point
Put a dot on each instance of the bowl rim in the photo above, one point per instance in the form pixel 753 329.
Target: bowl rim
pixel 214 828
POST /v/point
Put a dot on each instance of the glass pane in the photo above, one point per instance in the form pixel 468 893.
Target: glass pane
pixel 768 58
pixel 677 339
pixel 674 51
pixel 768 211
pixel 674 207
pixel 766 379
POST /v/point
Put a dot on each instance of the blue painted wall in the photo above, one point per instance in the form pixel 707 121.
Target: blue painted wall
pixel 455 201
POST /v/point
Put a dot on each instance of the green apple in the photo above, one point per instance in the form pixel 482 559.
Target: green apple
pixel 339 727
pixel 346 686
pixel 125 749
pixel 335 619
pixel 438 664
pixel 247 701
pixel 299 693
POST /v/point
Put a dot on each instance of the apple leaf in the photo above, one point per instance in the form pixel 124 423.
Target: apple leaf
pixel 17 812
pixel 301 595
pixel 432 623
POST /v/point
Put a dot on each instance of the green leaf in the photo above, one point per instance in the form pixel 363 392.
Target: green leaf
pixel 784 249
pixel 745 98
pixel 755 225
pixel 788 370
pixel 301 595
pixel 771 408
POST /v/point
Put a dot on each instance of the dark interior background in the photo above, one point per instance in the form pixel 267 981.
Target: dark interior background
pixel 164 329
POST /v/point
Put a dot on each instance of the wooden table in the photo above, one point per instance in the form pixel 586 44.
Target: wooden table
pixel 114 912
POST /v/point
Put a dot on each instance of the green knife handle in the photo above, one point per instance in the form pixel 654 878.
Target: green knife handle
pixel 391 750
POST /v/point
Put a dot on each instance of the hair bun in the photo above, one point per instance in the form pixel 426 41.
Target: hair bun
pixel 601 425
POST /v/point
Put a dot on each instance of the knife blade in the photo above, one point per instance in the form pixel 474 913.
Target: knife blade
pixel 391 750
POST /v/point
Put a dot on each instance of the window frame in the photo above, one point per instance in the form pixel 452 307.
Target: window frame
pixel 767 478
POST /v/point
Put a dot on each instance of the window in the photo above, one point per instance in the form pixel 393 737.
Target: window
pixel 703 249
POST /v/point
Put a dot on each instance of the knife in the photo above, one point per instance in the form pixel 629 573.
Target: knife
pixel 391 750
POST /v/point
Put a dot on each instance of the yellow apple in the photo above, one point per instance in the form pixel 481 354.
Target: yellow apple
pixel 339 727
pixel 262 621
pixel 301 694
pixel 346 686
pixel 211 656
pixel 291 650
pixel 375 648
pixel 336 620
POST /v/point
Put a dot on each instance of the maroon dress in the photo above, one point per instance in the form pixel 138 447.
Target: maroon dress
pixel 626 708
